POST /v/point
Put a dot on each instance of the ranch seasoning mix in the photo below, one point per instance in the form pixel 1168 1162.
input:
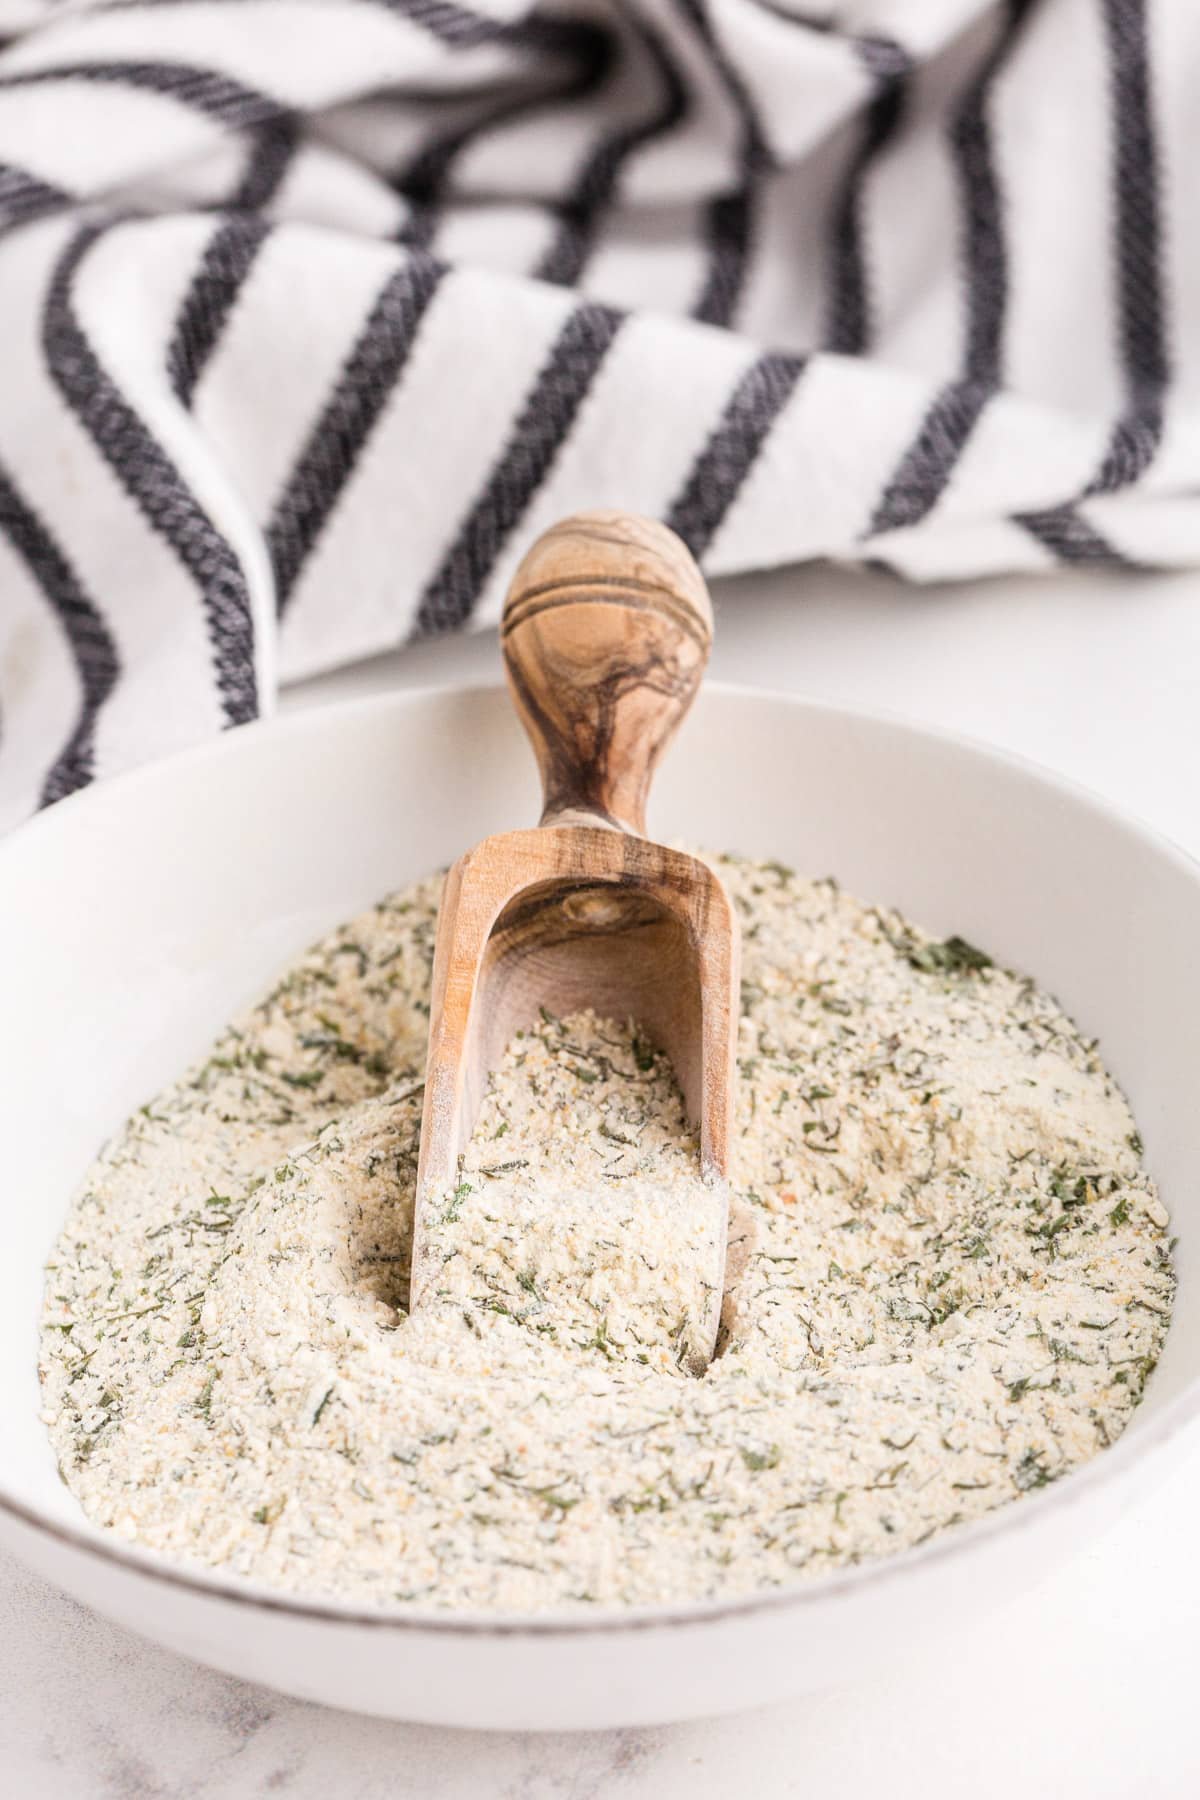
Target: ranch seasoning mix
pixel 948 1281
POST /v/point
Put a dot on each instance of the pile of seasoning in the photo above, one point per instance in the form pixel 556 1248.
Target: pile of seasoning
pixel 948 1281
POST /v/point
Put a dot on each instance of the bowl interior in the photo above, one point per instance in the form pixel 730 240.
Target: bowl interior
pixel 139 916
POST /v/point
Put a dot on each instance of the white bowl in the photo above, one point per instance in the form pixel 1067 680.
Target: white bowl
pixel 137 917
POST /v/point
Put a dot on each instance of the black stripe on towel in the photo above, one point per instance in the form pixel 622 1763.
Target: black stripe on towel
pixel 204 90
pixel 927 465
pixel 228 258
pixel 416 230
pixel 92 647
pixel 732 217
pixel 1138 251
pixel 272 149
pixel 1132 446
pixel 463 30
pixel 153 483
pixel 729 227
pixel 349 416
pixel 537 435
pixel 848 330
pixel 450 24
pixel 1069 537
pixel 596 184
pixel 732 449
pixel 24 196
pixel 1141 327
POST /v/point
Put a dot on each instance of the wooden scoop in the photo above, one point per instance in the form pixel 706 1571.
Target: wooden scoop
pixel 606 632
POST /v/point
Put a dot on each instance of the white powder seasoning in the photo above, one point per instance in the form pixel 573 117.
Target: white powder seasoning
pixel 948 1281
pixel 580 1208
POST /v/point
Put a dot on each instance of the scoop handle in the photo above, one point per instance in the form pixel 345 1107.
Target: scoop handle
pixel 606 631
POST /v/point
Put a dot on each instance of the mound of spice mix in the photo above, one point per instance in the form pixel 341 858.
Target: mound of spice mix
pixel 948 1281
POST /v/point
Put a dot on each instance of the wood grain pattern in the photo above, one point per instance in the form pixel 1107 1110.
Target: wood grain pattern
pixel 606 633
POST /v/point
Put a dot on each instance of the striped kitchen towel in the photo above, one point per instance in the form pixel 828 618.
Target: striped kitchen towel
pixel 313 311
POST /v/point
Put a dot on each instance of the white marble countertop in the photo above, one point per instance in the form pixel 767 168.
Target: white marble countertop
pixel 1084 1690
